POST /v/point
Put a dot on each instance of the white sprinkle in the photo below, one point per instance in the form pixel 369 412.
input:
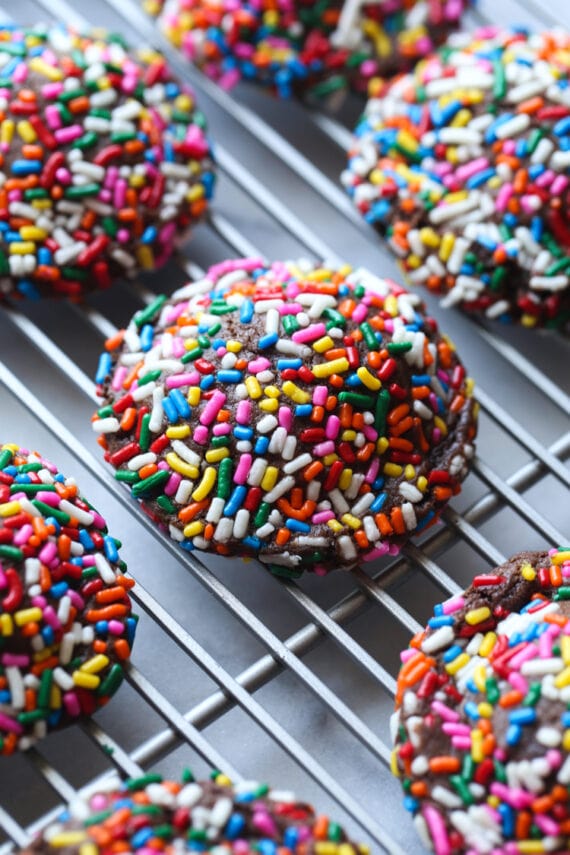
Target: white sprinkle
pixel 441 638
pixel 184 491
pixel 257 472
pixel 241 523
pixel 109 425
pixel 136 463
pixel 185 453
pixel 189 795
pixel 104 568
pixel 84 517
pixel 540 667
pixel 279 490
pixel 409 492
pixel 297 463
pixel 66 647
pixel 289 448
pixel 224 530
pixel 221 812
pixel 267 424
pixel 63 679
pixel 347 548
pixel 549 283
pixel 16 685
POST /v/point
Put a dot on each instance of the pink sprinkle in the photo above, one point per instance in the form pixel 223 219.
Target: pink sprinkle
pixel 359 314
pixel 71 703
pixel 285 418
pixel 201 435
pixel 222 430
pixel 444 712
pixel 212 408
pixel 503 197
pixel 546 824
pixel 116 627
pixel 23 535
pixel 53 118
pixel 472 168
pixel 310 333
pixel 378 552
pixel 322 517
pixel 372 470
pixel 453 604
pixel 455 728
pixel 120 193
pixel 51 618
pixel 437 830
pixel 290 309
pixel 320 396
pixel 9 724
pixel 559 185
pixel 172 484
pixel 243 469
pixel 177 380
pixel 68 134
pixel 332 429
pixel 243 412
pixel 463 743
pixel 323 448
pixel 51 499
pixel 518 682
pixel 259 364
pixel 15 660
pixel 51 90
pixel 48 552
pixel 264 823
pixel 515 797
pixel 118 378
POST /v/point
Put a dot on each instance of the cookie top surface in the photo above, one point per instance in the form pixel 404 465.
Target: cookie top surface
pixel 207 816
pixel 306 47
pixel 103 159
pixel 66 626
pixel 464 166
pixel 311 418
pixel 482 726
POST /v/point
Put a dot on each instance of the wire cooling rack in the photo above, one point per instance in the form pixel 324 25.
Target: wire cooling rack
pixel 290 682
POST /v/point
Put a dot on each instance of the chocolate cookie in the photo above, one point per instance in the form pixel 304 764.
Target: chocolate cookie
pixel 306 47
pixel 482 727
pixel 311 418
pixel 151 814
pixel 66 625
pixel 103 160
pixel 464 166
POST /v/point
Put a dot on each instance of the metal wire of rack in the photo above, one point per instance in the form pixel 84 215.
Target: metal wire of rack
pixel 233 669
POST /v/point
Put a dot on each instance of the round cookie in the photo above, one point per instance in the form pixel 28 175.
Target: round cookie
pixel 210 816
pixel 66 626
pixel 104 162
pixel 463 165
pixel 482 727
pixel 287 413
pixel 306 47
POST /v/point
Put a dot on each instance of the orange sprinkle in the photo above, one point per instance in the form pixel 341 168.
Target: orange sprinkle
pixel 444 765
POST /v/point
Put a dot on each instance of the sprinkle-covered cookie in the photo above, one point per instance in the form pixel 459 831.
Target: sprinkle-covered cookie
pixel 464 166
pixel 482 726
pixel 103 161
pixel 150 814
pixel 309 417
pixel 307 47
pixel 66 626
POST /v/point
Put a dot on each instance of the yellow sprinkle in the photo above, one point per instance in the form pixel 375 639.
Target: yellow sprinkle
pixel 409 472
pixel 393 470
pixel 528 572
pixel 194 193
pixel 325 847
pixel 67 838
pixel 413 261
pixel 178 431
pixel 55 697
pixel 193 529
pixel 486 710
pixel 476 616
pixel 459 196
pixel 348 435
pixel 458 663
pixel 86 681
pixel 26 131
pixel 565 649
pixel 319 275
pixel 528 321
pixel 26 247
pixel 88 849
pixel 494 801
pixel 335 526
pixel 42 204
pixel 477 745
pixel 394 763
pixel 407 140
pixel 6 625
pixel 145 256
pixel 206 484
pixel 462 118
pixel 32 233
pixel 269 405
pixel 95 664
pixel 45 69
pixel 376 34
pixel 27 616
pixel 560 557
pixel 479 677
pixel 487 644
pixel 223 780
pixel 530 847
pixel 214 455
pixel 8 509
pixel 430 237
pixel 566 740
pixel 562 679
pixel 7 131
pixel 422 483
pixel 272 391
pixel 446 246
pixel 181 466
pixel 323 344
pixel 351 521
pixel 440 424
pixel 369 380
pixel 253 387
pixel 270 478
pixel 137 180
pixel 391 305
pixel 377 176
pixel 294 393
pixel 193 396
pixel 345 479
pixel 233 346
pixel 191 344
pixel 335 366
pixel 329 459
pixel 382 444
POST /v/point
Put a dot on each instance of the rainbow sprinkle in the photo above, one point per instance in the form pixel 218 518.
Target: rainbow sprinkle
pixel 482 726
pixel 103 162
pixel 308 47
pixel 149 814
pixel 66 627
pixel 309 417
pixel 464 166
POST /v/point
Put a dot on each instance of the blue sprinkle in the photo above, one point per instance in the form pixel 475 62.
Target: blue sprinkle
pixel 59 589
pixel 437 622
pixel 252 543
pixel 297 525
pixel 378 502
pixel 242 432
pixel 146 337
pixel 303 410
pixel 55 523
pixel 28 289
pixel 421 379
pixel 26 167
pixel 452 653
pixel 479 178
pixel 562 127
pixel 131 628
pixel 230 376
pixel 514 734
pixel 102 627
pixel 110 547
pixel 290 837
pixel 140 837
pixel 508 820
pixel 411 804
pixel 207 381
pixel 170 410
pixel 180 403
pixel 246 311
pixel 234 826
pixel 235 501
pixel 48 635
pixel 565 719
pixel 267 340
pixel 527 715
pixel 103 367
pixel 261 445
pixel 471 711
pixel 283 364
pixel 149 235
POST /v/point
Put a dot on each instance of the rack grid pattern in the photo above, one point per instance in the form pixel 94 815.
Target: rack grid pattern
pixel 233 669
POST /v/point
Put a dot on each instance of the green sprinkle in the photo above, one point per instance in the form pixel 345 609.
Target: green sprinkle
pixel 363 402
pixel 533 695
pixel 562 593
pixel 193 354
pixel 144 438
pixel 96 818
pixel 45 688
pixel 6 456
pixel 48 511
pixel 147 314
pixel 369 336
pixel 151 484
pixel 31 717
pixel 500 82
pixel 167 505
pixel 133 784
pixel 461 789
pixel 126 476
pixel 82 190
pixel 31 489
pixel 381 411
pixel 399 346
pixel 112 681
pixel 225 478
pixel 290 324
pixel 262 514
pixel 150 376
